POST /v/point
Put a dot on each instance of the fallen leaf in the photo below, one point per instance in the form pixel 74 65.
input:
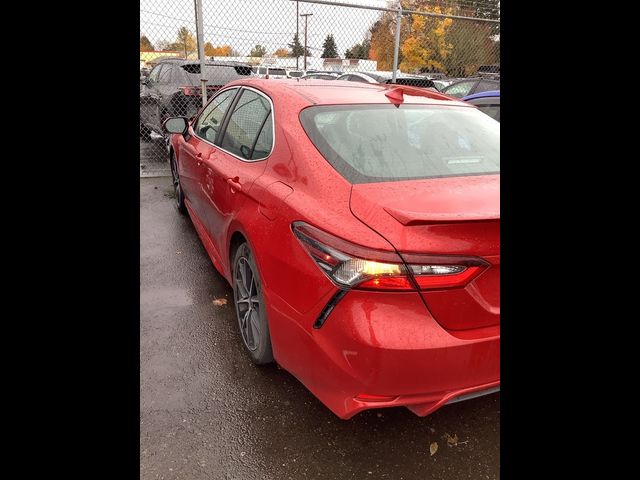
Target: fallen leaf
pixel 219 301
pixel 452 441
pixel 433 448
pixel 178 252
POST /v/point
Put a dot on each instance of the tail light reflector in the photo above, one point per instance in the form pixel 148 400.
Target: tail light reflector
pixel 349 265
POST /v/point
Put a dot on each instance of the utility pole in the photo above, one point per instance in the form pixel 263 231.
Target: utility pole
pixel 306 16
pixel 396 44
pixel 297 31
pixel 199 36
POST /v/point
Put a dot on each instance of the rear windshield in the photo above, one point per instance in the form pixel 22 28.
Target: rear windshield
pixel 215 72
pixel 415 82
pixel 378 143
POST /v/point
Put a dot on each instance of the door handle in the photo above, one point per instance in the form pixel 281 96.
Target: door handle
pixel 234 183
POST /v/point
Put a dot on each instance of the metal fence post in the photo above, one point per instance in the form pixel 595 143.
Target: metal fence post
pixel 396 46
pixel 199 28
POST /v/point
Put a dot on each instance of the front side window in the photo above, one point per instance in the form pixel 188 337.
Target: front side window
pixel 209 122
pixel 249 133
pixel 377 143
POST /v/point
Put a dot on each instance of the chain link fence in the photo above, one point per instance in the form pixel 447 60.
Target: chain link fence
pixel 451 45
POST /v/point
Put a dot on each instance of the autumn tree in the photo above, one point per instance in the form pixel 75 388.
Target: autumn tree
pixel 329 47
pixel 208 49
pixel 221 51
pixel 472 46
pixel 164 46
pixel 426 46
pixel 185 42
pixel 281 53
pixel 382 41
pixel 258 51
pixel 456 47
pixel 145 44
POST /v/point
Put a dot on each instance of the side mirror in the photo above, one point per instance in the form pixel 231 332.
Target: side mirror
pixel 176 125
pixel 245 151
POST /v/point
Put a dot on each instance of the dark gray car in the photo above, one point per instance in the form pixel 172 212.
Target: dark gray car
pixel 469 86
pixel 173 89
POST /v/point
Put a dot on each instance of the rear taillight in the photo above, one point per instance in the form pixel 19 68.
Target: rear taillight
pixel 191 91
pixel 352 266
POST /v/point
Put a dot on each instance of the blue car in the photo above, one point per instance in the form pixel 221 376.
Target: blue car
pixel 487 102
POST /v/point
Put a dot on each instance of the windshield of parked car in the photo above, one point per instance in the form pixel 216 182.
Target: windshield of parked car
pixel 376 143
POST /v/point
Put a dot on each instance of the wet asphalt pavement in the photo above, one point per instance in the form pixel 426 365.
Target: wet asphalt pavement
pixel 207 412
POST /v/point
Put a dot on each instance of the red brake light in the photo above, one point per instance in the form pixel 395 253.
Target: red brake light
pixel 431 282
pixel 352 266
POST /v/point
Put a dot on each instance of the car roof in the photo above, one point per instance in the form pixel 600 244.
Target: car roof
pixel 182 61
pixel 490 93
pixel 327 92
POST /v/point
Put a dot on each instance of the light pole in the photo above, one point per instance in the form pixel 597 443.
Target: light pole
pixel 306 16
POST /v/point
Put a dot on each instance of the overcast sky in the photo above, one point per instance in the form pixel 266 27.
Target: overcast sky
pixel 272 23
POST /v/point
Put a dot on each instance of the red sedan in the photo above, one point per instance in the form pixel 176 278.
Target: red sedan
pixel 359 227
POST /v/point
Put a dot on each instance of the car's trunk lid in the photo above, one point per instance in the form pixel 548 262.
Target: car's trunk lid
pixel 442 216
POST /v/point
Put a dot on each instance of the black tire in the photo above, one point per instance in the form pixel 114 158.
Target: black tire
pixel 250 307
pixel 145 133
pixel 177 186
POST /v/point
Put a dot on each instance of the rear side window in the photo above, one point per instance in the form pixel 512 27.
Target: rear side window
pixel 165 74
pixel 355 78
pixel 492 110
pixel 209 122
pixel 153 76
pixel 377 143
pixel 485 86
pixel 249 133
pixel 459 90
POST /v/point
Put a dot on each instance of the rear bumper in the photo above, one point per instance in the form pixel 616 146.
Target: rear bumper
pixel 384 345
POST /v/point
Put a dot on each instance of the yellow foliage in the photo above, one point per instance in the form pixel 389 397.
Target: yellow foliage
pixel 281 53
pixel 222 51
pixel 426 45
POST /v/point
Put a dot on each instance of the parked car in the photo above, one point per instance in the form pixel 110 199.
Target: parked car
pixel 487 102
pixel 359 229
pixel 440 84
pixel 489 71
pixel 387 77
pixel 173 89
pixel 469 86
pixel 263 71
pixel 294 73
pixel 320 76
pixel 144 73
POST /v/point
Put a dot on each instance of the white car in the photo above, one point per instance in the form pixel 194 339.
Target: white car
pixel 263 71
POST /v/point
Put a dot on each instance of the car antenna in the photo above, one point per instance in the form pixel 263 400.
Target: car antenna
pixel 395 96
